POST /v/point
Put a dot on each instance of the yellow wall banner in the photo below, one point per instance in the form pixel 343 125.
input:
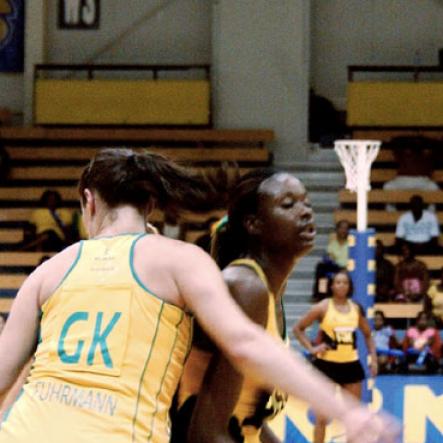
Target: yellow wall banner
pixel 120 102
pixel 395 103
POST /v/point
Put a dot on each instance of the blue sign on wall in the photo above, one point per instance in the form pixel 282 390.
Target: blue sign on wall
pixel 12 23
pixel 417 401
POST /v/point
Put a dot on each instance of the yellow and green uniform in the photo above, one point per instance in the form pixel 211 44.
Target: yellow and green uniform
pixel 339 332
pixel 254 406
pixel 109 358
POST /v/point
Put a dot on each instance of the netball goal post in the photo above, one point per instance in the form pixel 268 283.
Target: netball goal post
pixel 356 157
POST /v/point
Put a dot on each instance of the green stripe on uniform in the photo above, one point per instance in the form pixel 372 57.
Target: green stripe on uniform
pixel 177 327
pixel 142 376
pixel 73 265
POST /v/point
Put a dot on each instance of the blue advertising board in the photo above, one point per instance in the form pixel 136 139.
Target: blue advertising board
pixel 417 401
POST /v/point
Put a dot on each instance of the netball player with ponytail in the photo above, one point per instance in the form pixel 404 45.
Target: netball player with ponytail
pixel 108 320
pixel 268 228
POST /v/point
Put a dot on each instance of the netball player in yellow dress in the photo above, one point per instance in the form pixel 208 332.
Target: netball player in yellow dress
pixel 336 355
pixel 269 227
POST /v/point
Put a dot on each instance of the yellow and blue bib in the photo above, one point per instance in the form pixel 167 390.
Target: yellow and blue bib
pixel 339 332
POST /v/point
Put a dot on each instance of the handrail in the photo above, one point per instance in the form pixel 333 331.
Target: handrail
pixel 89 68
pixel 136 135
pixel 415 69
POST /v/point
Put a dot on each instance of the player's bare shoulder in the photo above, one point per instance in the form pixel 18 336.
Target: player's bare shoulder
pixel 245 285
pixel 321 307
pixel 172 253
pixel 51 272
pixel 58 262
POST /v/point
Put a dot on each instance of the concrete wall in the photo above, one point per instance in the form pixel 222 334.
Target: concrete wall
pixel 157 31
pixel 11 91
pixel 384 32
pixel 261 55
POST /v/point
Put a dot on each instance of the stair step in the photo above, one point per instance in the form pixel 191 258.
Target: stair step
pixel 314 178
pixel 307 263
pixel 292 309
pixel 325 220
pixel 299 286
pixel 323 196
pixel 298 298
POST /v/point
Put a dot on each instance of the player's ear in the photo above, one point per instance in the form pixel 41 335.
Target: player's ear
pixel 252 224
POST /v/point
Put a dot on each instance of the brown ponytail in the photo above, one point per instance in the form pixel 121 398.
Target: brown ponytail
pixel 122 176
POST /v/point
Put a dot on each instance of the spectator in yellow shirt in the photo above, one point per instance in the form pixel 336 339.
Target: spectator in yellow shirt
pixel 338 244
pixel 52 224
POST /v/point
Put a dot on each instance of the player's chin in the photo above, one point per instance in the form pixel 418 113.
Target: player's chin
pixel 305 242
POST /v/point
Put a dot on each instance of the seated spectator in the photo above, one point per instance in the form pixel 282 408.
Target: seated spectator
pixel 415 165
pixel 389 356
pixel 338 249
pixel 411 281
pixel 52 224
pixel 335 259
pixel 422 345
pixel 384 275
pixel 419 228
pixel 434 300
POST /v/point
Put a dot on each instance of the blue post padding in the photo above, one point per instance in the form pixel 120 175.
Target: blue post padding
pixel 362 269
pixel 293 434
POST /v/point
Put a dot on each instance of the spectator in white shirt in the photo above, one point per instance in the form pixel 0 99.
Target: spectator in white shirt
pixel 419 228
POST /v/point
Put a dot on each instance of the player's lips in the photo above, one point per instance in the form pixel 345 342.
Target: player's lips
pixel 308 232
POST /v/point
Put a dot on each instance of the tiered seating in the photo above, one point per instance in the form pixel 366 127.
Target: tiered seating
pixel 399 311
pixel 377 218
pixel 194 155
pixel 378 198
pixel 388 238
pixel 384 222
pixel 45 158
pixel 382 196
pixel 387 134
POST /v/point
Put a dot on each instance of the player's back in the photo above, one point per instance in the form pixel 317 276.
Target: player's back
pixel 109 357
